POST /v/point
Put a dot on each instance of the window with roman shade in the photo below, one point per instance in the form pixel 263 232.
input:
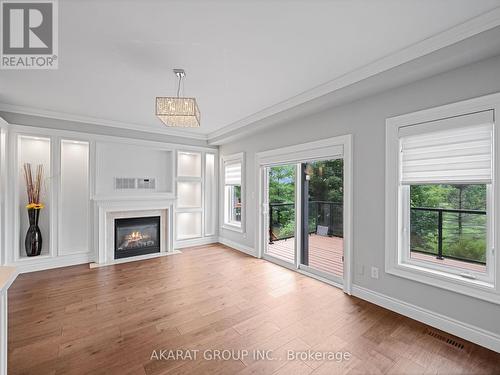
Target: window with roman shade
pixel 233 191
pixel 445 178
pixel 442 205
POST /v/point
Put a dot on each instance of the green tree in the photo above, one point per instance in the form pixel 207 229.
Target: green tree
pixel 464 234
pixel 282 184
pixel 326 181
pixel 325 184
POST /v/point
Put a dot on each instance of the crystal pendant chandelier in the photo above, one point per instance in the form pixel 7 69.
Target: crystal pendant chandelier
pixel 177 111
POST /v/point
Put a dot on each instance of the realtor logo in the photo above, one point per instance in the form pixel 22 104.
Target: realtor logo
pixel 29 34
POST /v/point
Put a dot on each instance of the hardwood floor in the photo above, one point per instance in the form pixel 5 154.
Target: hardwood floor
pixel 109 320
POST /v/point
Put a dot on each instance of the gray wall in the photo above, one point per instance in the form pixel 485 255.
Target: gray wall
pixel 365 119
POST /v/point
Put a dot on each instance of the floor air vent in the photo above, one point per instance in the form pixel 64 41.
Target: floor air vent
pixel 448 340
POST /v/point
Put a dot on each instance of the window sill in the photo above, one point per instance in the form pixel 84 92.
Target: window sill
pixel 233 227
pixel 455 283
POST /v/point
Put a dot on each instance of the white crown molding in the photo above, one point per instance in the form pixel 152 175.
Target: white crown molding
pixel 97 121
pixel 3 123
pixel 467 29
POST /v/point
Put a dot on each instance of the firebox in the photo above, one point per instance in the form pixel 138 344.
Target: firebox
pixel 137 236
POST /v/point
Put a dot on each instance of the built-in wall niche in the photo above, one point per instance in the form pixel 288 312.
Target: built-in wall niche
pixel 189 194
pixel 74 198
pixel 188 225
pixel 36 151
pixel 188 164
pixel 189 202
pixel 196 205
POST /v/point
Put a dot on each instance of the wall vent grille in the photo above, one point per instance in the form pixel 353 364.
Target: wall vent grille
pixel 128 183
pixel 124 183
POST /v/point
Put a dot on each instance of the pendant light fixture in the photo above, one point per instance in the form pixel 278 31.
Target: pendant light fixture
pixel 177 111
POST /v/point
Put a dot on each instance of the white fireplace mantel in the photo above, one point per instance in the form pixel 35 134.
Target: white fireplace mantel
pixel 119 207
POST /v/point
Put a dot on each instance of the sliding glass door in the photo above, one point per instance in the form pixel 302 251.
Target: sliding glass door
pixel 322 245
pixel 303 216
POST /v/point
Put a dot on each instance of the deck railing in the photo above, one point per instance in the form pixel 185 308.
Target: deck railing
pixel 321 213
pixel 444 233
pixel 449 233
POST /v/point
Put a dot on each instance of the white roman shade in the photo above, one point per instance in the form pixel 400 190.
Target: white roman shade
pixel 454 150
pixel 232 173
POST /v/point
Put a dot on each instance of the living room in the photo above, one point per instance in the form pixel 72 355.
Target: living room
pixel 227 187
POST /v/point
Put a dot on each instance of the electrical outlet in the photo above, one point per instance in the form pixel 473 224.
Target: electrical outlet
pixel 374 273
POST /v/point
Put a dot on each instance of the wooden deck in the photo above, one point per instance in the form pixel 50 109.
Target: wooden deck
pixel 476 267
pixel 325 253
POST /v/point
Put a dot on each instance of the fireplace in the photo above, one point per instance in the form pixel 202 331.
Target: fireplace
pixel 137 236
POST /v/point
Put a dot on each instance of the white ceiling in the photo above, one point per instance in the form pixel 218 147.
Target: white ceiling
pixel 241 57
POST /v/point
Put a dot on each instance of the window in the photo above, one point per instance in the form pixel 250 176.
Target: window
pixel 440 188
pixel 233 205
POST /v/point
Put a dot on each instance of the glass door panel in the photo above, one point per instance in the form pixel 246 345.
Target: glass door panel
pixel 322 250
pixel 281 215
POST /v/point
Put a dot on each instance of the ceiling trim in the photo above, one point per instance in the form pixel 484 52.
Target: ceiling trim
pixel 467 29
pixel 96 121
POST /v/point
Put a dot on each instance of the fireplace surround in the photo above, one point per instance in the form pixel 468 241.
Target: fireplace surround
pixel 108 209
pixel 137 236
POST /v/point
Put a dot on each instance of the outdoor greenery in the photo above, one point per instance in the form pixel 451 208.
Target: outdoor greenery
pixel 282 184
pixel 237 203
pixel 464 234
pixel 326 180
pixel 325 185
pixel 282 192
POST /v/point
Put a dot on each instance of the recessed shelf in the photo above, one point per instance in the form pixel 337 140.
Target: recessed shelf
pixel 188 225
pixel 34 150
pixel 189 194
pixel 188 164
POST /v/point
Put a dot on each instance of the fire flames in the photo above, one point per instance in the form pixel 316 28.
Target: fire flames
pixel 135 236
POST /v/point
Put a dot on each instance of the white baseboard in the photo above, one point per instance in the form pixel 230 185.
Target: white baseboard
pixel 466 331
pixel 195 242
pixel 45 263
pixel 238 246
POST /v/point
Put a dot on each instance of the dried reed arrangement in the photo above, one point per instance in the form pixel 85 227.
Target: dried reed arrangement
pixel 33 187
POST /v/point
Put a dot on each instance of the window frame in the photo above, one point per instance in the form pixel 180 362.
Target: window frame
pixel 396 262
pixel 226 198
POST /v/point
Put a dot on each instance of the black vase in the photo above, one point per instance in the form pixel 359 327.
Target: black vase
pixel 33 241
